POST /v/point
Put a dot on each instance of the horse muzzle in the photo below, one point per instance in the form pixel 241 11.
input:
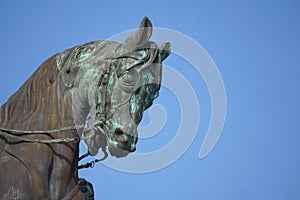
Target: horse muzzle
pixel 123 143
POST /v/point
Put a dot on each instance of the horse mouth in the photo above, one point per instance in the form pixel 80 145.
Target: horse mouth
pixel 122 143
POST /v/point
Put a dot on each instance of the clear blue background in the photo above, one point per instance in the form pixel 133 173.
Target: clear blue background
pixel 256 46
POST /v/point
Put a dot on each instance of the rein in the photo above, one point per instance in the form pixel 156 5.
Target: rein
pixel 9 133
pixel 101 118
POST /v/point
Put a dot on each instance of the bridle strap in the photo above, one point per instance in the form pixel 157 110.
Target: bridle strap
pixel 9 133
pixel 102 96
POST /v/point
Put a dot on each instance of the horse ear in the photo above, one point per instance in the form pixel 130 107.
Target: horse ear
pixel 164 50
pixel 139 37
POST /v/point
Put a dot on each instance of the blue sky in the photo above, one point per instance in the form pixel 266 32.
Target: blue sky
pixel 256 46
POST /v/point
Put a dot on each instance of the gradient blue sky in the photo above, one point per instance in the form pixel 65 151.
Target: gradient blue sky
pixel 256 46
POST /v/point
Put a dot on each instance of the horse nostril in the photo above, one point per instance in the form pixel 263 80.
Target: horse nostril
pixel 120 136
pixel 118 131
pixel 126 141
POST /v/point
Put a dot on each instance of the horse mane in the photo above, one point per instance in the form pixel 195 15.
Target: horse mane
pixel 38 102
pixel 45 98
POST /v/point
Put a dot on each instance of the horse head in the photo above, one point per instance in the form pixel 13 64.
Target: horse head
pixel 112 84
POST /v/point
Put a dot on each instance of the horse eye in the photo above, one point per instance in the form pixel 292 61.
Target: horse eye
pixel 129 78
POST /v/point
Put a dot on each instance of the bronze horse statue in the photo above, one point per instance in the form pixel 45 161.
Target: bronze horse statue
pixel 96 92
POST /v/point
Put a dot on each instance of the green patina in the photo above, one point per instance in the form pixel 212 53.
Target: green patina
pixel 85 53
pixel 143 97
pixel 115 83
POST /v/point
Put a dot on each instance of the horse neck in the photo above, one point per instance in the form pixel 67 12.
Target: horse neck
pixel 42 103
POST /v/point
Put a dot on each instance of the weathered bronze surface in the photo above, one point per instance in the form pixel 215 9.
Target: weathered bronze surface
pixel 98 92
